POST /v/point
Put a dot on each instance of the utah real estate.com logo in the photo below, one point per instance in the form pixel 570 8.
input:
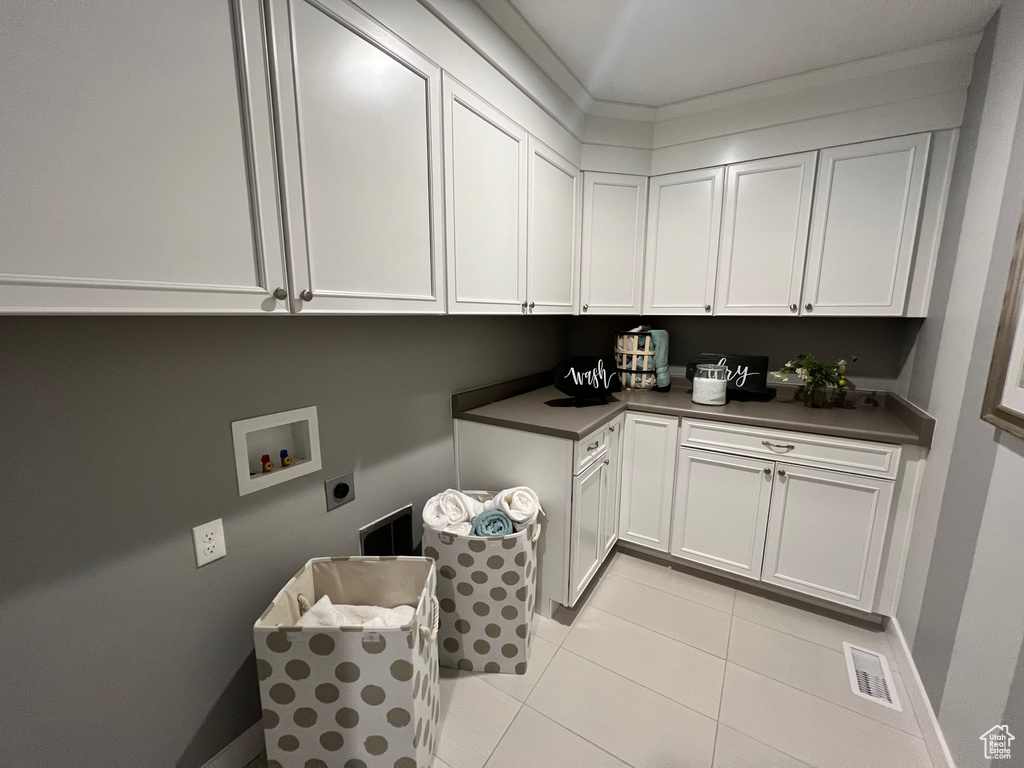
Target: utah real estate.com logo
pixel 997 742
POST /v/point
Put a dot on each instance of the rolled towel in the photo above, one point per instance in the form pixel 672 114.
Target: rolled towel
pixel 520 504
pixel 464 528
pixel 450 508
pixel 492 523
pixel 662 374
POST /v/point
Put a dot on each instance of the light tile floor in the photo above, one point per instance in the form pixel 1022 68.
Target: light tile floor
pixel 661 668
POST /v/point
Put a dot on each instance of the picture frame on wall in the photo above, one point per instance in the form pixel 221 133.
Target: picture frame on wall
pixel 1004 395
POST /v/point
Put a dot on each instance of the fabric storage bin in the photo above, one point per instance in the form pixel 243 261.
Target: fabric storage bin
pixel 332 695
pixel 486 588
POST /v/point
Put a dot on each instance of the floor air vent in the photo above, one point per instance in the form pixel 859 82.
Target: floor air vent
pixel 870 676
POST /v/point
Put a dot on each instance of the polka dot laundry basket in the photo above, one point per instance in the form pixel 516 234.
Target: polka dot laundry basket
pixel 348 696
pixel 486 588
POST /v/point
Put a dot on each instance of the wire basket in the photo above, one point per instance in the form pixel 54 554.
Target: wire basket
pixel 634 359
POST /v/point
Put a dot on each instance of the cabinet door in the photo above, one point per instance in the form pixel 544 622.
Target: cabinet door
pixel 684 221
pixel 764 235
pixel 553 241
pixel 614 216
pixel 610 520
pixel 826 531
pixel 486 195
pixel 589 494
pixel 359 119
pixel 864 226
pixel 721 510
pixel 138 171
pixel 648 477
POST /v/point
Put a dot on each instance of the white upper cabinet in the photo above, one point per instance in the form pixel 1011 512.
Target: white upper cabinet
pixel 486 162
pixel 137 172
pixel 614 217
pixel 553 246
pixel 764 235
pixel 360 136
pixel 826 533
pixel 684 221
pixel 866 208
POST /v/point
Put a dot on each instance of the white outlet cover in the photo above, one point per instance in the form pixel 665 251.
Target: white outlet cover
pixel 208 540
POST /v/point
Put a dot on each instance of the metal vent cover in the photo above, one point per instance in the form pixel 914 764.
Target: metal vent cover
pixel 870 676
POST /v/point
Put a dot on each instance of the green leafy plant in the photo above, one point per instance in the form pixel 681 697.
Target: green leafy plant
pixel 816 375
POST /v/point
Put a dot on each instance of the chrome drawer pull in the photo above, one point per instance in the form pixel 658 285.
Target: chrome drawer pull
pixel 776 446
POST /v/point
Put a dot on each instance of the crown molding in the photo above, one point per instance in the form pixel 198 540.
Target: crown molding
pixel 513 24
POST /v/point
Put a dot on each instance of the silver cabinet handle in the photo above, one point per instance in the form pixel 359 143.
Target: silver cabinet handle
pixel 611 429
pixel 607 461
pixel 782 473
pixel 808 306
pixel 532 305
pixel 768 471
pixel 776 446
pixel 306 295
pixel 280 294
pixel 524 307
pixel 792 307
pixel 586 307
pixel 707 307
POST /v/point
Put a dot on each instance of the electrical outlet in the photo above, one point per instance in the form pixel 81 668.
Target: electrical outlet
pixel 208 540
pixel 340 490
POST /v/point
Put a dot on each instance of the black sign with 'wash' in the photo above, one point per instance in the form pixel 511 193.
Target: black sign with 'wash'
pixel 748 373
pixel 587 377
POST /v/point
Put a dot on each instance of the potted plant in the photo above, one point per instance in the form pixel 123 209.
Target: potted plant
pixel 818 379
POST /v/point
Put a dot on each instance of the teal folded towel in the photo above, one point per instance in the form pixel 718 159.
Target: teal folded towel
pixel 664 378
pixel 492 523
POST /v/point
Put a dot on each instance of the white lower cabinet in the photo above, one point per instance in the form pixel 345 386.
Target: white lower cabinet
pixel 648 475
pixel 586 547
pixel 610 521
pixel 808 529
pixel 826 532
pixel 721 510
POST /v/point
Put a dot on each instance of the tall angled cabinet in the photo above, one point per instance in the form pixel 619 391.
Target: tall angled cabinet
pixel 359 126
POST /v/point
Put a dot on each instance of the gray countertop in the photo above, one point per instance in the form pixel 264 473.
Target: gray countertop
pixel 895 420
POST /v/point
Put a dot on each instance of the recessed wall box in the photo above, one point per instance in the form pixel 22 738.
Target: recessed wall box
pixel 296 432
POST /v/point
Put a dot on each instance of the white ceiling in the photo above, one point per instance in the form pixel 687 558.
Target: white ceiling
pixel 658 52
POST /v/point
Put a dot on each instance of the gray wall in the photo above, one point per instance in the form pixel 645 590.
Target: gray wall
pixel 962 606
pixel 883 344
pixel 116 649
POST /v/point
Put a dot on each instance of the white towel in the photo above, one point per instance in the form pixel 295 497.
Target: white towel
pixel 520 504
pixel 450 508
pixel 325 614
pixel 461 529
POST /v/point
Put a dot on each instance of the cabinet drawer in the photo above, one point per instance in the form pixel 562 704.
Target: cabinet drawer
pixel 591 447
pixel 859 457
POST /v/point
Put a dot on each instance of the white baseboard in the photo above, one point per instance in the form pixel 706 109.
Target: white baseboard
pixel 938 741
pixel 242 751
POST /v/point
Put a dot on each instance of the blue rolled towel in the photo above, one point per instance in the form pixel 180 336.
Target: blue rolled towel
pixel 664 377
pixel 492 523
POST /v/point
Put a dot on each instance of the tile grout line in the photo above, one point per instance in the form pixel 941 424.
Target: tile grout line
pixel 584 738
pixel 821 698
pixel 634 682
pixel 913 712
pixel 809 640
pixel 674 594
pixel 660 633
pixel 721 692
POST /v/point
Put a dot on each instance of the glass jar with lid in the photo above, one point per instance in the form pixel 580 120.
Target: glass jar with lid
pixel 709 384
